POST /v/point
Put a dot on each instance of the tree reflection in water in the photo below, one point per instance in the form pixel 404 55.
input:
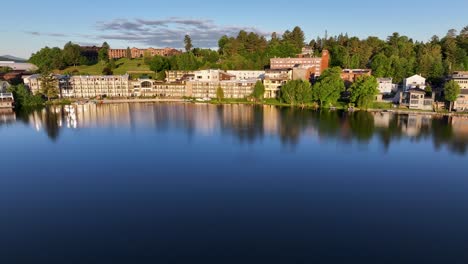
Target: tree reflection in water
pixel 249 124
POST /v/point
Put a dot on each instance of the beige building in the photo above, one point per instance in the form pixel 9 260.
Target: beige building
pixel 33 82
pixel 461 78
pixel 274 80
pixel 96 86
pixel 177 76
pixel 148 87
pixel 231 88
pixel 84 86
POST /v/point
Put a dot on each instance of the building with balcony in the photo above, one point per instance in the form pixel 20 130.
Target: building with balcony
pixel 148 87
pixel 231 88
pixel 178 76
pixel 98 86
pixel 416 99
pixel 274 80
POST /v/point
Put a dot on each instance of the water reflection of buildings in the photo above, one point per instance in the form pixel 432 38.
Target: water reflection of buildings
pixel 415 124
pixel 251 123
pixel 7 116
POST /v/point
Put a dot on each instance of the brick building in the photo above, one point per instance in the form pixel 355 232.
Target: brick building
pixel 349 76
pixel 314 65
pixel 138 53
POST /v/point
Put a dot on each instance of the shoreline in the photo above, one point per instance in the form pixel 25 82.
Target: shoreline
pixel 175 100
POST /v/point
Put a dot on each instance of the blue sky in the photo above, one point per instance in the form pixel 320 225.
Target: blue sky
pixel 30 24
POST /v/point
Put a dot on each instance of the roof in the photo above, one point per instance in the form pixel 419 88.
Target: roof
pixel 460 75
pixel 384 79
pixel 416 75
pixel 416 90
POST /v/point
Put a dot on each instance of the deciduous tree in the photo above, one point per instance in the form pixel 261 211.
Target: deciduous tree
pixel 363 91
pixel 329 86
pixel 451 92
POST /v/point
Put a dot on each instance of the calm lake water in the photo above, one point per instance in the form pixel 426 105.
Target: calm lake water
pixel 186 183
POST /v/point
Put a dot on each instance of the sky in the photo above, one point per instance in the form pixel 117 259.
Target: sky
pixel 29 25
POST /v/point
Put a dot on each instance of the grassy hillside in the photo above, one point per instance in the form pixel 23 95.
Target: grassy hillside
pixel 134 66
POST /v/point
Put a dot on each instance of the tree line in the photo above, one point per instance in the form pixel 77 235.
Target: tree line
pixel 397 56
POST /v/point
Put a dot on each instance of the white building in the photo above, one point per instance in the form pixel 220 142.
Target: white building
pixel 95 86
pixel 247 75
pixel 386 86
pixel 212 76
pixel 84 86
pixel 415 81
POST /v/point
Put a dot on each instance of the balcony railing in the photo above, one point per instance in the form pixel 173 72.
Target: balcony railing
pixel 6 96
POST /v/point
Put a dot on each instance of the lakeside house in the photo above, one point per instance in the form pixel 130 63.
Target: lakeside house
pixel 416 98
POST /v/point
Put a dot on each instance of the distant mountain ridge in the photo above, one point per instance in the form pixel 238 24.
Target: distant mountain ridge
pixel 11 58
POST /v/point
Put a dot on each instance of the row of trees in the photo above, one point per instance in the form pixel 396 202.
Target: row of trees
pixel 399 56
pixel 48 59
pixel 329 89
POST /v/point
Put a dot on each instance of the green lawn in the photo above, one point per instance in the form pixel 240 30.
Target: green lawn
pixel 136 66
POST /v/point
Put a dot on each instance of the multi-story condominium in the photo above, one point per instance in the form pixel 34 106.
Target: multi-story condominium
pixel 315 65
pixel 138 53
pixel 414 82
pixel 148 87
pixel 84 86
pixel 178 76
pixel 273 81
pixel 247 75
pixel 386 86
pixel 96 86
pixel 231 88
pixel 461 104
